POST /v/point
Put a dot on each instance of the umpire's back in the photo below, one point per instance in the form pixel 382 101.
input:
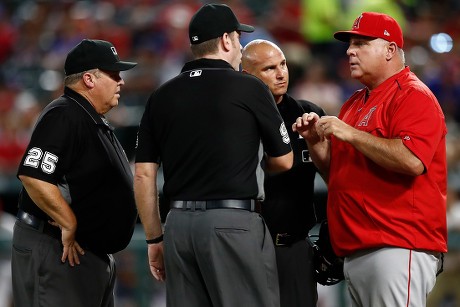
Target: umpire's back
pixel 205 126
pixel 206 130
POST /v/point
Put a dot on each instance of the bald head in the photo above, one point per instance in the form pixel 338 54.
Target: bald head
pixel 266 61
pixel 257 51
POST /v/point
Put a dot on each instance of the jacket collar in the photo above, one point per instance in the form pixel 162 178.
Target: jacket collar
pixel 86 105
pixel 206 63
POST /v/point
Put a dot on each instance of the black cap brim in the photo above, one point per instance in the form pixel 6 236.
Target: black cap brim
pixel 245 28
pixel 118 66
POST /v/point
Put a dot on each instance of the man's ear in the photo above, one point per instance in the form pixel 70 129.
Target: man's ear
pixel 88 79
pixel 392 48
pixel 226 42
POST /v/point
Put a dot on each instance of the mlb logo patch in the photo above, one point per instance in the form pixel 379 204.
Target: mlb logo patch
pixel 195 73
pixel 284 134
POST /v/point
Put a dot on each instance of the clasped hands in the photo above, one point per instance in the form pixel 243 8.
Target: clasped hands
pixel 316 129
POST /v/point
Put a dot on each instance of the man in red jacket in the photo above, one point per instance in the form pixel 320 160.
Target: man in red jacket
pixel 385 160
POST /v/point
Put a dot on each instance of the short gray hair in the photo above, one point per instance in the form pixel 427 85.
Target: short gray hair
pixel 74 78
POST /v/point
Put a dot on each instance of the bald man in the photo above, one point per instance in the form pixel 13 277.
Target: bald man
pixel 288 208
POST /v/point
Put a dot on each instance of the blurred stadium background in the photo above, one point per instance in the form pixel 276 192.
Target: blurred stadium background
pixel 35 37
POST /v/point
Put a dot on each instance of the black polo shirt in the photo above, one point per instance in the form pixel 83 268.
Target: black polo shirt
pixel 73 147
pixel 205 126
pixel 289 196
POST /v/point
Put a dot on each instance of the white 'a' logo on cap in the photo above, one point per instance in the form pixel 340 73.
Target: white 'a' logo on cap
pixel 386 33
pixel 114 51
pixel 357 22
pixel 194 38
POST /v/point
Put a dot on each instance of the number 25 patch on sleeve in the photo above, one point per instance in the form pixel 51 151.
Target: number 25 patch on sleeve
pixel 36 158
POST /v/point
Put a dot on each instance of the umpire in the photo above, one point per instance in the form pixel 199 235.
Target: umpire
pixel 77 202
pixel 205 127
pixel 288 207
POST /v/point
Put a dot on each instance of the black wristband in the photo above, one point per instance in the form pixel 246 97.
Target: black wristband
pixel 155 240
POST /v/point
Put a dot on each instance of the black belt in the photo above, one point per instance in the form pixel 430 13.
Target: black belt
pixel 244 204
pixel 38 224
pixel 285 239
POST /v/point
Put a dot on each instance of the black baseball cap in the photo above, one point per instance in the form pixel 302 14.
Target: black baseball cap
pixel 213 20
pixel 93 53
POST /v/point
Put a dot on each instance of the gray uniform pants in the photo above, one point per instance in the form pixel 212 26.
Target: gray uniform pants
pixel 219 258
pixel 390 276
pixel 40 279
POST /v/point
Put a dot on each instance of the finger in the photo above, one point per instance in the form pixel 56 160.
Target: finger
pixel 318 126
pixel 75 256
pixel 312 116
pixel 297 123
pixel 294 126
pixel 65 254
pixel 321 133
pixel 155 272
pixel 80 250
pixel 70 258
pixel 161 275
pixel 158 273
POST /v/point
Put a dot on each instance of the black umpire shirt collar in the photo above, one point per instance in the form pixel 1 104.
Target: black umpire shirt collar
pixel 206 63
pixel 86 105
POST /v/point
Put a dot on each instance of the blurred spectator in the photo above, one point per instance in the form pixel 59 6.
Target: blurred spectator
pixel 445 84
pixel 8 34
pixel 282 20
pixel 316 85
pixel 453 209
pixel 16 121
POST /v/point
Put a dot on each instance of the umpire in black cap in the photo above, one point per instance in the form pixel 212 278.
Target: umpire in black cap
pixel 205 127
pixel 76 207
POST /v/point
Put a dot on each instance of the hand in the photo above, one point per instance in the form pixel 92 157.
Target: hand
pixel 156 262
pixel 331 125
pixel 305 126
pixel 72 249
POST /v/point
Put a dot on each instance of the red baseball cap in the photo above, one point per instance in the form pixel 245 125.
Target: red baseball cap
pixel 375 25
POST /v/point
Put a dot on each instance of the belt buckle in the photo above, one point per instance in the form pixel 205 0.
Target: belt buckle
pixel 280 236
pixel 29 219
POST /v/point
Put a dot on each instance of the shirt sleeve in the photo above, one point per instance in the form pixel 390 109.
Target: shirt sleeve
pixel 146 148
pixel 48 154
pixel 420 123
pixel 275 137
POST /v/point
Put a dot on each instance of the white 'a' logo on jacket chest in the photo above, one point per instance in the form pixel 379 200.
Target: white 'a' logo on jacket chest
pixel 365 121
